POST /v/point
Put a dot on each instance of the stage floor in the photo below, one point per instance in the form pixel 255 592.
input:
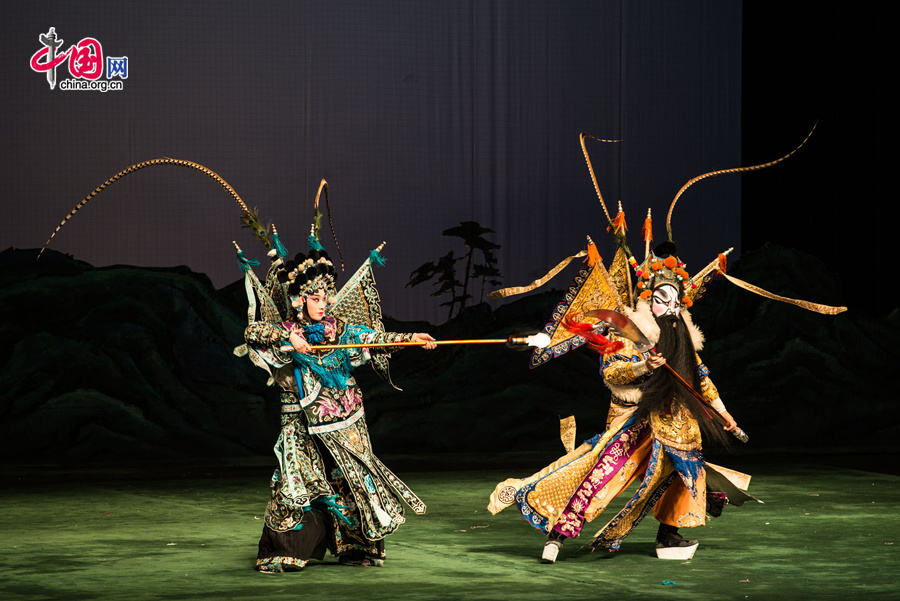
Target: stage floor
pixel 823 533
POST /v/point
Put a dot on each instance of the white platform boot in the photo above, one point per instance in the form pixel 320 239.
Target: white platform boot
pixel 671 545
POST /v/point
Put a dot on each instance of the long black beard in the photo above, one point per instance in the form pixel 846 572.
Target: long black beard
pixel 662 388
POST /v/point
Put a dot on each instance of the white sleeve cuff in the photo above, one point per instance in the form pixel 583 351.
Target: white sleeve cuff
pixel 639 368
pixel 719 406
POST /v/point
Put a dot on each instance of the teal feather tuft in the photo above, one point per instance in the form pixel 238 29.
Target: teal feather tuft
pixel 244 263
pixel 314 243
pixel 329 504
pixel 279 247
pixel 376 258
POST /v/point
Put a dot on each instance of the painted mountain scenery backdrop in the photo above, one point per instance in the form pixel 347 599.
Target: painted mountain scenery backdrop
pixel 121 364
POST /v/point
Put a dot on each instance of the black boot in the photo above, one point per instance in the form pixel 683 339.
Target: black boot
pixel 667 536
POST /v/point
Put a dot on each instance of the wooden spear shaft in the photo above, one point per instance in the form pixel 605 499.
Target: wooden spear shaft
pixel 739 434
pixel 328 347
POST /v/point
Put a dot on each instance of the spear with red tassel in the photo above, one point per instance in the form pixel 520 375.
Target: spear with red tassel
pixel 627 329
pixel 540 340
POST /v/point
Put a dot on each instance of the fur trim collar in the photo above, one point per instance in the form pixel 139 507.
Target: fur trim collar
pixel 643 319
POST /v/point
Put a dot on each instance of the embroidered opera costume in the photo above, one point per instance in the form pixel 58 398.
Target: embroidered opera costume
pixel 329 491
pixel 663 401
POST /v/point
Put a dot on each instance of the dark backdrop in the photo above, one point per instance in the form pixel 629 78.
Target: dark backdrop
pixel 835 199
pixel 420 115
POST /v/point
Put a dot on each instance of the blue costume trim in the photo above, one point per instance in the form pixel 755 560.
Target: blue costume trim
pixel 688 464
pixel 332 372
pixel 334 368
pixel 329 505
pixel 279 246
pixel 313 243
pixel 610 359
pixel 531 516
pixel 551 352
pixel 376 258
pixel 244 263
pixel 314 333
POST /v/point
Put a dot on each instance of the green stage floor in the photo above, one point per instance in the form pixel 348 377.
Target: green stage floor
pixel 822 534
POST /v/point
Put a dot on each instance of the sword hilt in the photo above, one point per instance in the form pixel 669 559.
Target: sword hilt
pixel 740 435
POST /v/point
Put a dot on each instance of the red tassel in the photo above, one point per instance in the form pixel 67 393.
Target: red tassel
pixel 619 223
pixel 599 343
pixel 723 262
pixel 593 256
pixel 647 232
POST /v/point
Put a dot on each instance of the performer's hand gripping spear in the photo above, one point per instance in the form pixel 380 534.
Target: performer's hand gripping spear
pixel 628 329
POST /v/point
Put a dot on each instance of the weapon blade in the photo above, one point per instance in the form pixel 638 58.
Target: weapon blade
pixel 529 341
pixel 628 329
pixel 623 326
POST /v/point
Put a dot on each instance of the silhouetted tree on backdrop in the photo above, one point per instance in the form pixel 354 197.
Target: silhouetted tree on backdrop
pixel 444 269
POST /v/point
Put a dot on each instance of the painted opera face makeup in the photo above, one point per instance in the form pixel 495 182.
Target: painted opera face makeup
pixel 315 305
pixel 665 301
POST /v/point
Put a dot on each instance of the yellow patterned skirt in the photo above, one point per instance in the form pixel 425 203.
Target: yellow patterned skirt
pixel 580 485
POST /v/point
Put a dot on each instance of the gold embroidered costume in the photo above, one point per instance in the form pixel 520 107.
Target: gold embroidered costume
pixel 659 402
